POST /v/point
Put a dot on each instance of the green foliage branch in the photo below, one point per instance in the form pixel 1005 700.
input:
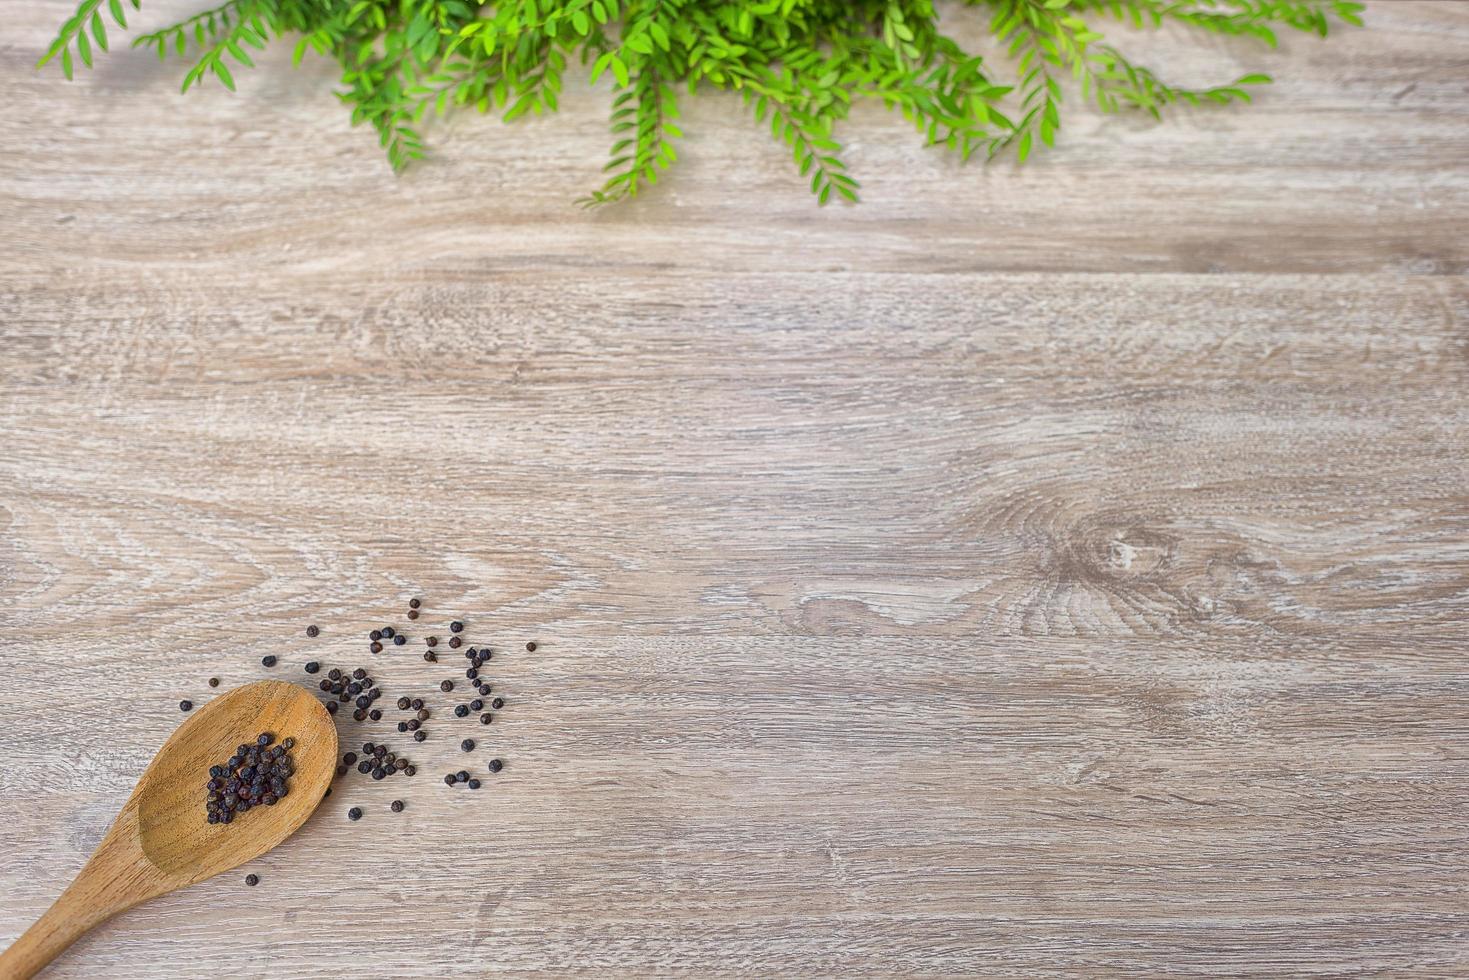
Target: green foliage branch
pixel 799 65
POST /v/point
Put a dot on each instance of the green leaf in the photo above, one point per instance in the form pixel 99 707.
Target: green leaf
pixel 222 71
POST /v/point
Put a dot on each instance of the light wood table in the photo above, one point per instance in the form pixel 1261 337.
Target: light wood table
pixel 1055 569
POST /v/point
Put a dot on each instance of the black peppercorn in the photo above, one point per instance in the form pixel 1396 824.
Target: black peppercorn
pixel 399 640
pixel 375 715
pixel 530 647
pixel 186 706
pixel 359 715
pixel 388 632
pixel 486 718
pixel 414 603
pixel 474 784
pixel 334 674
pixel 432 641
pixel 485 689
pixel 252 880
pixel 375 647
pixel 416 704
pixel 419 736
pixel 498 703
pixel 264 739
pixel 449 780
pixel 350 758
pixel 462 776
pixel 402 726
pixel 379 773
pixel 456 627
pixel 364 767
pixel 410 770
pixel 460 710
pixel 268 660
pixel 312 667
pixel 467 745
pixel 429 656
pixel 423 714
pixel 413 724
pixel 214 682
pixel 496 765
pixel 313 630
pixel 375 635
pixel 403 704
pixel 355 813
pixel 413 614
pixel 476 705
pixel 396 806
pixel 331 707
pixel 472 673
pixel 446 686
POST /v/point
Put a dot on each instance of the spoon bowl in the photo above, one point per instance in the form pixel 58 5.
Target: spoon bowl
pixel 161 840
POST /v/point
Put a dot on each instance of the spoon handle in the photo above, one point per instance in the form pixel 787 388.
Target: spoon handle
pixel 109 883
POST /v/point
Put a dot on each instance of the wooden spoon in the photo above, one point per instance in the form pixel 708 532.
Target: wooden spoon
pixel 161 841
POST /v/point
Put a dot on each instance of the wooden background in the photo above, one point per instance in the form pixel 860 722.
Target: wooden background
pixel 1062 569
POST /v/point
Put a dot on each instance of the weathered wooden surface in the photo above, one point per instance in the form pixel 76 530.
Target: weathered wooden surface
pixel 1053 570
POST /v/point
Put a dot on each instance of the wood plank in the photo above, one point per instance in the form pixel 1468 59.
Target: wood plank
pixel 1025 572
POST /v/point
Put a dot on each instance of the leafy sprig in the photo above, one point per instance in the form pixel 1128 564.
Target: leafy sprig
pixel 799 65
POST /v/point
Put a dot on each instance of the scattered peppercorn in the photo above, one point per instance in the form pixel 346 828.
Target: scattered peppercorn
pixel 388 632
pixel 455 642
pixel 375 647
pixel 460 710
pixel 313 630
pixel 467 745
pixel 456 627
pixel 186 706
pixel 496 765
pixel 462 776
pixel 498 703
pixel 334 674
pixel 375 635
pixel 396 806
pixel 419 736
pixel 413 614
pixel 429 656
pixel 432 641
pixel 446 686
pixel 253 880
pixel 359 715
pixel 474 784
pixel 423 713
pixel 486 718
pixel 350 758
pixel 312 667
pixel 414 603
pixel 472 673
pixel 214 682
pixel 375 715
pixel 399 640
pixel 331 707
pixel 268 660
pixel 476 705
pixel 530 647
pixel 355 813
